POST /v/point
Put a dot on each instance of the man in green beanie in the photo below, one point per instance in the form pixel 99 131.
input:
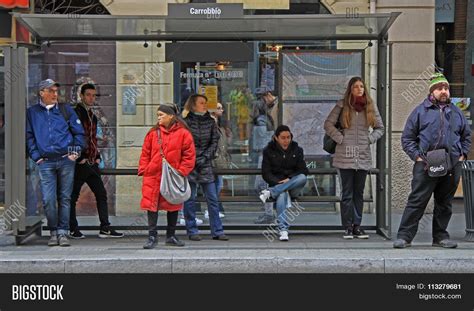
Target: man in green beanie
pixel 433 124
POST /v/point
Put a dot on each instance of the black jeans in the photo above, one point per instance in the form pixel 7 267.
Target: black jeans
pixel 422 186
pixel 352 204
pixel 89 174
pixel 172 218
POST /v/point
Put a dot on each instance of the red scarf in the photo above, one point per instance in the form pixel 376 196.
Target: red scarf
pixel 359 103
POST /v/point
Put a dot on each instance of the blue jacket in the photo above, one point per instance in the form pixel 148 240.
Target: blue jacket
pixel 48 135
pixel 428 123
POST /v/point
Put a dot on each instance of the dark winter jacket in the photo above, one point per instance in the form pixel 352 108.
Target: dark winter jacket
pixel 89 122
pixel 428 124
pixel 279 164
pixel 49 135
pixel 206 139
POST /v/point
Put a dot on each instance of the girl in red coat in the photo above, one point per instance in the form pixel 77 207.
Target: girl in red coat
pixel 178 148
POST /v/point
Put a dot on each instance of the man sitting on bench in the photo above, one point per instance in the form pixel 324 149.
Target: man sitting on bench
pixel 284 169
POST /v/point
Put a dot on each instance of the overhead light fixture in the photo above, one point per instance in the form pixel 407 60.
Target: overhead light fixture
pixel 158 45
pixel 145 45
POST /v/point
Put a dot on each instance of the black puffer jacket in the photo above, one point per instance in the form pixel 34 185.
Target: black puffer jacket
pixel 279 164
pixel 206 139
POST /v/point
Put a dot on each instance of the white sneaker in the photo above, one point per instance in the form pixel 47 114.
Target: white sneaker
pixel 265 195
pixel 206 214
pixel 284 236
pixel 183 222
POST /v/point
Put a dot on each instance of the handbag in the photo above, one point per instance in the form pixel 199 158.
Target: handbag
pixel 439 160
pixel 174 187
pixel 329 145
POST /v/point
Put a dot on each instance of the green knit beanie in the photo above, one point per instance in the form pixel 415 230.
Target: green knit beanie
pixel 437 78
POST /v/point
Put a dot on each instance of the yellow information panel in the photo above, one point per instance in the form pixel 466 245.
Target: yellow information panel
pixel 210 91
pixel 261 4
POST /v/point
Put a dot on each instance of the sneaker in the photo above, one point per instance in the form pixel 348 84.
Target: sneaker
pixel 182 221
pixel 110 233
pixel 284 236
pixel 206 214
pixel 446 243
pixel 265 195
pixel 53 240
pixel 174 241
pixel 348 234
pixel 151 242
pixel 63 240
pixel 195 237
pixel 265 219
pixel 357 232
pixel 401 243
pixel 76 234
pixel 222 237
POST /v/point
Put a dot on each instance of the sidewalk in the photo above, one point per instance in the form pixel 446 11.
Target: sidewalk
pixel 248 252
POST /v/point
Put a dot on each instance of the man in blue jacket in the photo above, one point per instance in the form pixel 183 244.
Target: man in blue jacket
pixel 428 128
pixel 55 138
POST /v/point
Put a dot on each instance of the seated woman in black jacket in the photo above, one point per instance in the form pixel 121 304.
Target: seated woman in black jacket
pixel 284 169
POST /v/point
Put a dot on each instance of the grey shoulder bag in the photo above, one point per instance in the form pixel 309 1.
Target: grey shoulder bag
pixel 174 187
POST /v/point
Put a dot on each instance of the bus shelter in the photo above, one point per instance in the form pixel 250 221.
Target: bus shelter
pixel 209 54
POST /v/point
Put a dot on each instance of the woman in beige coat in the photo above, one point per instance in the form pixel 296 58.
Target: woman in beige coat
pixel 361 125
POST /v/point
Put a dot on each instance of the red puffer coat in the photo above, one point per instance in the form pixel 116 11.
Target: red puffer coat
pixel 178 147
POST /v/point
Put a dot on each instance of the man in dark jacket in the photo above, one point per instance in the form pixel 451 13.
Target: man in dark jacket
pixel 87 168
pixel 434 124
pixel 55 138
pixel 284 169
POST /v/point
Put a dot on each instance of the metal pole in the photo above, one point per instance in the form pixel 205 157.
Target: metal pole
pixel 381 183
pixel 15 108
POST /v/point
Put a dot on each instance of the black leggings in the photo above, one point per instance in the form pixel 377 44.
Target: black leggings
pixel 172 218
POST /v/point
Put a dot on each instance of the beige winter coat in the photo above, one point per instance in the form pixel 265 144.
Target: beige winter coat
pixel 353 144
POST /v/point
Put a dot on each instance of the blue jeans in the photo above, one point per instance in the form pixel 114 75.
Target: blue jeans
pixel 215 223
pixel 279 192
pixel 219 185
pixel 57 179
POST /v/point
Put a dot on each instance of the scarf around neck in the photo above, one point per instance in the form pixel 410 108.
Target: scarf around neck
pixel 359 103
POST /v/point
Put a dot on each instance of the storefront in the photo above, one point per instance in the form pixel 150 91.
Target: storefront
pixel 139 62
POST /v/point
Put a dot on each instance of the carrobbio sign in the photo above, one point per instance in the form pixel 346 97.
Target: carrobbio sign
pixel 206 10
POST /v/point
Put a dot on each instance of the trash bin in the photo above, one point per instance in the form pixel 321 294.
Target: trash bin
pixel 468 192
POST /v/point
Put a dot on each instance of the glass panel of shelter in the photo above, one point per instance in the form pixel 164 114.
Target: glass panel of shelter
pixel 132 80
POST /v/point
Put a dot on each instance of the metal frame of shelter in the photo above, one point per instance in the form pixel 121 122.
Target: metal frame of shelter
pixel 62 28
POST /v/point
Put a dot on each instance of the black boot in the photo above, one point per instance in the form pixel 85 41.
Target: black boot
pixel 174 241
pixel 151 242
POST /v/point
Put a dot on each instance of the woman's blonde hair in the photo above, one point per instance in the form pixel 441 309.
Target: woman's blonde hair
pixel 348 104
pixel 190 104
